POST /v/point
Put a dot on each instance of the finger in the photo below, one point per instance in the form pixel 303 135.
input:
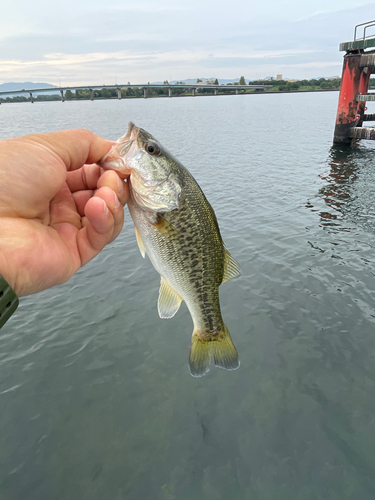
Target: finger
pixel 111 200
pixel 84 178
pixel 98 230
pixel 62 209
pixel 74 147
pixel 81 198
pixel 110 179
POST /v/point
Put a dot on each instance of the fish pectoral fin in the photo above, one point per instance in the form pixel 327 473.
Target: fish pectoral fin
pixel 231 267
pixel 219 346
pixel 140 242
pixel 165 227
pixel 169 302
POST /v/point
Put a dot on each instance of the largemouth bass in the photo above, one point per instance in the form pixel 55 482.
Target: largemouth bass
pixel 177 228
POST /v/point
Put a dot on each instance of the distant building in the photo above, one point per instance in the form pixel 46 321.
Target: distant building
pixel 279 77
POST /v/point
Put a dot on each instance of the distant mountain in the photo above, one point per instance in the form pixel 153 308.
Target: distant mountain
pixel 24 86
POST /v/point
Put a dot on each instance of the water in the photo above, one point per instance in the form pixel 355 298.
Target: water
pixel 96 398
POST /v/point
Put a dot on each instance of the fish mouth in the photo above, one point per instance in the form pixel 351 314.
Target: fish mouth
pixel 134 136
pixel 126 146
pixel 138 134
pixel 131 132
pixel 115 158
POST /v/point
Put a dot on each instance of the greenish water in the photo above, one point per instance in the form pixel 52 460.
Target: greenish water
pixel 95 393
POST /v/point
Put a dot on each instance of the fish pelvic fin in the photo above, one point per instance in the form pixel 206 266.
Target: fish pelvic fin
pixel 219 346
pixel 140 242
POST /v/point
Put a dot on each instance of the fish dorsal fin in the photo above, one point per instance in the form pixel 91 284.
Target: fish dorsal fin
pixel 169 302
pixel 231 267
pixel 140 242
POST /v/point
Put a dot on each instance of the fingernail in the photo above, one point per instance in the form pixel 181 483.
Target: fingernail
pixel 105 208
pixel 120 185
pixel 117 202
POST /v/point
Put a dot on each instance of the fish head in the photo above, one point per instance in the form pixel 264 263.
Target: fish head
pixel 139 156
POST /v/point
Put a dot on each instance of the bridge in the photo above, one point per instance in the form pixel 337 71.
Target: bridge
pixel 192 86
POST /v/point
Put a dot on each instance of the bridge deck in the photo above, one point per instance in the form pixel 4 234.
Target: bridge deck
pixel 142 86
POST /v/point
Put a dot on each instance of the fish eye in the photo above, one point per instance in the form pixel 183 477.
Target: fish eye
pixel 152 148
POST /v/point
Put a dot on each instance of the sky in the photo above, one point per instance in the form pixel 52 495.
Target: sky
pixel 79 42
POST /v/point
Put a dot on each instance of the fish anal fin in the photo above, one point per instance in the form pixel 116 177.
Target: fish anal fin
pixel 219 346
pixel 231 267
pixel 169 302
pixel 140 242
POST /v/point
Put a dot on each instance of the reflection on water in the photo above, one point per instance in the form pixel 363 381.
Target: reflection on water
pixel 96 397
pixel 336 192
pixel 348 188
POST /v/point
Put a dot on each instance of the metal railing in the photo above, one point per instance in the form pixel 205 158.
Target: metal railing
pixel 369 24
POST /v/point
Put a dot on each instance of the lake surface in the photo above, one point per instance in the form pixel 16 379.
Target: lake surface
pixel 96 397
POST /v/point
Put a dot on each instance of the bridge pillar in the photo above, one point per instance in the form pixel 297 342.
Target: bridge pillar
pixel 91 94
pixel 119 93
pixel 215 91
pixel 145 92
pixel 237 91
pixel 31 98
pixel 170 92
pixel 193 91
pixel 62 96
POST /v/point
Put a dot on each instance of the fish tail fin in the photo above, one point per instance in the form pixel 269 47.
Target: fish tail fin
pixel 219 346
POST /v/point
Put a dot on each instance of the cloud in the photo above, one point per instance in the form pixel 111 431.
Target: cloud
pixel 83 44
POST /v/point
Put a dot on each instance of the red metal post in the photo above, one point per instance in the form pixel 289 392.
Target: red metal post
pixel 363 89
pixel 355 80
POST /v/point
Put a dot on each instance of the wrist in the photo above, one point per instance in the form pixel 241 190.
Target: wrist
pixel 8 301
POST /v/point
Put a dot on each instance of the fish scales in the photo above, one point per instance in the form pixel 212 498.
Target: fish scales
pixel 198 266
pixel 178 229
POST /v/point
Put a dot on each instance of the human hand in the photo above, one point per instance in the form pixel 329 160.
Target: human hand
pixel 57 211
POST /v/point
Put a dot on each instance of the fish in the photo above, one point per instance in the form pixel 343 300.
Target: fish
pixel 177 228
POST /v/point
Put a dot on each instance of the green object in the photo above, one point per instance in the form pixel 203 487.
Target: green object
pixel 357 44
pixel 8 301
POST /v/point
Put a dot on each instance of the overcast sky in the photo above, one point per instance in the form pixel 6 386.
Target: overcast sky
pixel 102 42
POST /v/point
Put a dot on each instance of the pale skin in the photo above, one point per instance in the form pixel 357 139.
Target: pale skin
pixel 57 210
